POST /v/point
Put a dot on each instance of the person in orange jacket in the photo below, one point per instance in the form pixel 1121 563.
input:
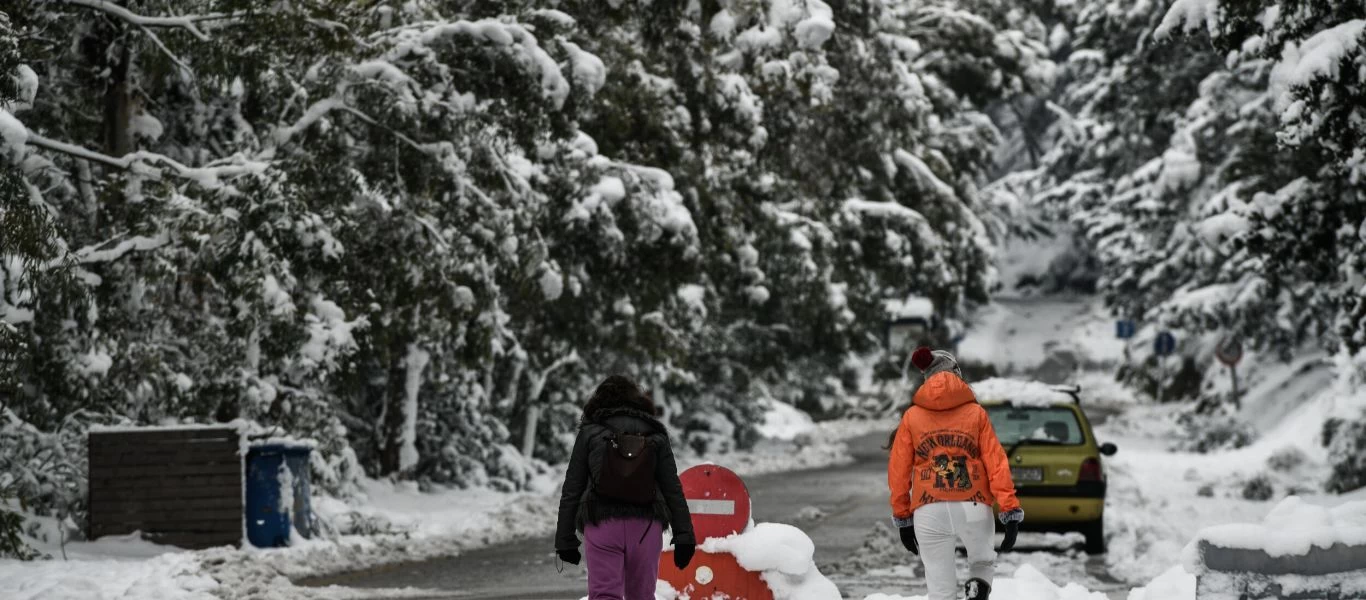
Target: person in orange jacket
pixel 947 469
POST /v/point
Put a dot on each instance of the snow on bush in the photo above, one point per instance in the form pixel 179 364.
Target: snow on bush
pixel 1027 584
pixel 1190 15
pixel 26 82
pixel 782 421
pixel 783 555
pixel 1293 527
pixel 1319 56
pixel 816 28
pixel 14 135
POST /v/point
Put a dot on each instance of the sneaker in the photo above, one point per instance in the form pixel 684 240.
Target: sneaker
pixel 976 589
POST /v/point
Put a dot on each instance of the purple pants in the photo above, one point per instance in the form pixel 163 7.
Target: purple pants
pixel 623 558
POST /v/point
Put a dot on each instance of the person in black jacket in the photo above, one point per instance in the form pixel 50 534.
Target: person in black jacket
pixel 623 539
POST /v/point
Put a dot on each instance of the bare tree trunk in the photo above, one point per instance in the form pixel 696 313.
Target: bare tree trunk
pixel 118 105
pixel 533 421
pixel 509 396
pixel 533 398
pixel 395 395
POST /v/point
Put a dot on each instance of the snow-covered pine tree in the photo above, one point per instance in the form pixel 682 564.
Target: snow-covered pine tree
pixel 1311 233
pixel 418 232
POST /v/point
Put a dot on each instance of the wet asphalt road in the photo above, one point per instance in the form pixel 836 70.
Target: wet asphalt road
pixel 851 536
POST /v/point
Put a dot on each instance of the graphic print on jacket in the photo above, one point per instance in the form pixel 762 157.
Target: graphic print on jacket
pixel 949 462
pixel 946 450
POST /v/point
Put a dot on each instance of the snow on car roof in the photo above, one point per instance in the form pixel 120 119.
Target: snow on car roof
pixel 1020 392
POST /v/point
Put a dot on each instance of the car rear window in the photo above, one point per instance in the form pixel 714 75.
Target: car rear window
pixel 1013 424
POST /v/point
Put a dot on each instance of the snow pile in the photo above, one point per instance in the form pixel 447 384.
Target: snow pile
pixel 783 555
pixel 1019 392
pixel 1175 584
pixel 1294 527
pixel 1028 584
pixel 118 573
pixel 783 421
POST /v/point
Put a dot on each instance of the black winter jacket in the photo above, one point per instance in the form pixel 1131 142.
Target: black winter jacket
pixel 579 504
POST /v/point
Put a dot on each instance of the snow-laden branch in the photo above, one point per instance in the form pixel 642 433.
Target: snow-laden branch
pixel 167 51
pixel 76 151
pixel 186 22
pixel 90 254
pixel 921 173
pixel 560 363
pixel 142 163
pixel 898 212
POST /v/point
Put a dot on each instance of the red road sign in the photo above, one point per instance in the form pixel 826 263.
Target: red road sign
pixel 1229 351
pixel 718 501
pixel 713 576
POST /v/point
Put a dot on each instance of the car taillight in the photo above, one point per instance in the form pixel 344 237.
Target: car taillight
pixel 1090 470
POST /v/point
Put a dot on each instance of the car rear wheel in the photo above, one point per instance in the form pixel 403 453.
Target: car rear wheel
pixel 1095 536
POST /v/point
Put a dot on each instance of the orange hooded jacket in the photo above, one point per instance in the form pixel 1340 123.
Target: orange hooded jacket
pixel 947 451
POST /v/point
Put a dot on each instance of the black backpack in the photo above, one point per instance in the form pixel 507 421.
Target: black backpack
pixel 627 472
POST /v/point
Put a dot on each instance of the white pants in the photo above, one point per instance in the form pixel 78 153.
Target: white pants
pixel 938 527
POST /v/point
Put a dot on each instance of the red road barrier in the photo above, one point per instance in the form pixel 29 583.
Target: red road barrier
pixel 720 506
pixel 713 575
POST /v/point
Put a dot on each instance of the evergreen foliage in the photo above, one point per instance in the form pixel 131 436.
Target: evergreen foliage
pixel 417 232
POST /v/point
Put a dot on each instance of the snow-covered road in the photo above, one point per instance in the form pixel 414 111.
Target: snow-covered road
pixel 843 509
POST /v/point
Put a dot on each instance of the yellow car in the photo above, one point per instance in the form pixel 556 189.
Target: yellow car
pixel 1054 457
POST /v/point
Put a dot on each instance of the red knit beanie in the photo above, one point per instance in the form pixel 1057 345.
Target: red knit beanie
pixel 922 358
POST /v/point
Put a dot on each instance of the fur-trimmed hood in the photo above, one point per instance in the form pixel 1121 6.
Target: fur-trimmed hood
pixel 602 415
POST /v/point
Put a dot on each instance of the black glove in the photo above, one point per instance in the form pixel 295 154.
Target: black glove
pixel 683 555
pixel 908 539
pixel 1012 530
pixel 1012 521
pixel 569 555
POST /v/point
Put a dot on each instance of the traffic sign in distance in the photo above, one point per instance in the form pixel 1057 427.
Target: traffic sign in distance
pixel 717 499
pixel 1229 351
pixel 1164 344
pixel 1125 329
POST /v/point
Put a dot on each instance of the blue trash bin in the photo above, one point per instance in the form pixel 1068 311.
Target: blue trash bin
pixel 277 473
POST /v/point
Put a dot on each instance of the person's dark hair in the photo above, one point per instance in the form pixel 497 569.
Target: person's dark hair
pixel 617 391
pixel 891 438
